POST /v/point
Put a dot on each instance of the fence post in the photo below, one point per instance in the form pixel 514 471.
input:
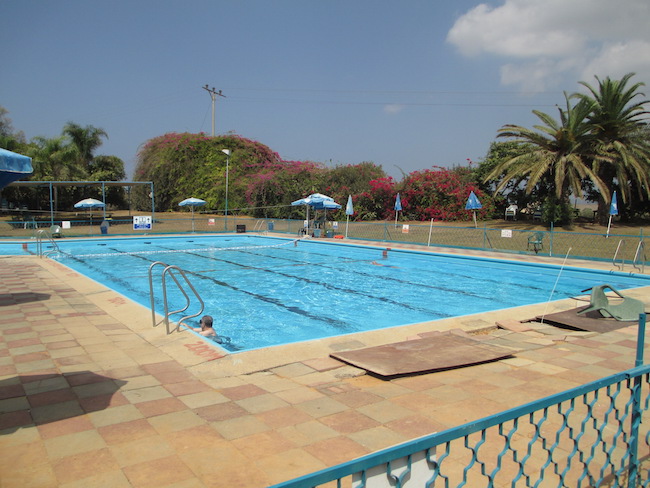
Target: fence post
pixel 633 471
pixel 550 241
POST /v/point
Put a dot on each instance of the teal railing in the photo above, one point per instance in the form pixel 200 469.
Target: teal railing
pixel 588 436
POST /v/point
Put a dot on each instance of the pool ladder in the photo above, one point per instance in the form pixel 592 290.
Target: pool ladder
pixel 639 257
pixel 174 272
pixel 42 235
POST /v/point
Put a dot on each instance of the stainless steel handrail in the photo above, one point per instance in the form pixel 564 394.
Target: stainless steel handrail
pixel 640 254
pixel 169 270
pixel 621 244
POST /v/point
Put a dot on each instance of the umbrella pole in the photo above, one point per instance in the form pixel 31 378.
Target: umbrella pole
pixel 192 218
pixel 609 224
pixel 346 227
pixel 475 224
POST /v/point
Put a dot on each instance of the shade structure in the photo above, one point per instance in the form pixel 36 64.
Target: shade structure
pixel 13 166
pixel 90 204
pixel 317 201
pixel 473 204
pixel 192 202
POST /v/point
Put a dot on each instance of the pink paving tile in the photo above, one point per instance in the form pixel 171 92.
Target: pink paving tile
pixel 101 402
pixel 51 397
pixel 14 420
pixel 159 472
pixel 283 417
pixel 32 356
pixel 415 426
pixel 357 398
pixel 263 444
pixel 84 465
pixel 30 341
pixel 126 431
pixel 8 370
pixel 11 391
pixel 187 387
pixel 162 366
pixel 17 330
pixel 349 421
pixel 193 439
pixel 222 411
pixel 64 427
pixel 160 407
pixel 243 391
pixel 336 450
pixel 73 360
pixel 170 377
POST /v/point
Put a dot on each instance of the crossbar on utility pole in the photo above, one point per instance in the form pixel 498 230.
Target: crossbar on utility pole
pixel 213 95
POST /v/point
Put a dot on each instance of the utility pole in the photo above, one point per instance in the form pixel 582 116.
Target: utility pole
pixel 213 95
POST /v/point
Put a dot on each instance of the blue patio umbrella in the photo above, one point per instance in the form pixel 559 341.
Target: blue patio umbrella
pixel 349 210
pixel 473 204
pixel 613 210
pixel 398 207
pixel 192 202
pixel 13 166
pixel 317 201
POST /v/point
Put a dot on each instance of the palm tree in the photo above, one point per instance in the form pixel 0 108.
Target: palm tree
pixel 619 130
pixel 86 140
pixel 555 153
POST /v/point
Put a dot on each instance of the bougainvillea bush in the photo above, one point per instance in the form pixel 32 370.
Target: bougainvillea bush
pixel 262 184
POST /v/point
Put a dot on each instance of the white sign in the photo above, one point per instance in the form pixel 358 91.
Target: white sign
pixel 405 229
pixel 142 222
pixel 335 225
pixel 65 224
pixel 506 233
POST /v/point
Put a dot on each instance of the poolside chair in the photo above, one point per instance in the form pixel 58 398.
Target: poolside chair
pixel 55 231
pixel 536 241
pixel 628 310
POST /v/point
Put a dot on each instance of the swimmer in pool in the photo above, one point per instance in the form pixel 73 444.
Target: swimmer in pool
pixel 206 329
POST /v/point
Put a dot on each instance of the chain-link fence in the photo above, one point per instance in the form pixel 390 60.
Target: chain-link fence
pixel 626 248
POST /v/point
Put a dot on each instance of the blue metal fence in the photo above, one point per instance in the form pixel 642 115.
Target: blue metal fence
pixel 593 435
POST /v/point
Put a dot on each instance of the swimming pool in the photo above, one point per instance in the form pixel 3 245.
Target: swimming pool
pixel 265 291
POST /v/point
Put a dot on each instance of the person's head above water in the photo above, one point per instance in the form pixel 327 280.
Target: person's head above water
pixel 206 321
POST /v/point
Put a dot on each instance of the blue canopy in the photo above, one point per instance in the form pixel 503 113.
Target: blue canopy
pixel 398 203
pixel 13 166
pixel 613 208
pixel 472 202
pixel 318 201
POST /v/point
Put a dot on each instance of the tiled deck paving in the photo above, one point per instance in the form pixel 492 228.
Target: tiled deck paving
pixel 92 396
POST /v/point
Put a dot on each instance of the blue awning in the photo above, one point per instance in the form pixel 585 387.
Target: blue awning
pixel 13 166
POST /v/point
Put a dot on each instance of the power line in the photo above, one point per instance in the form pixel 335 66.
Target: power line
pixel 213 95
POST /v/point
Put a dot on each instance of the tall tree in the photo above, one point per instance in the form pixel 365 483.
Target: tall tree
pixel 555 153
pixel 86 140
pixel 618 122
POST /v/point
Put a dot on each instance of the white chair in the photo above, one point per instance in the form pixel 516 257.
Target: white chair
pixel 511 211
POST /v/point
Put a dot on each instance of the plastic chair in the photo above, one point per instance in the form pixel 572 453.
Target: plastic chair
pixel 536 241
pixel 55 231
pixel 626 311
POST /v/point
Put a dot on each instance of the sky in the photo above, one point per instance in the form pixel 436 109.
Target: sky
pixel 406 84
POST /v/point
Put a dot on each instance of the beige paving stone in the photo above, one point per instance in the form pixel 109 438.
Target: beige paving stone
pixel 385 411
pixel 320 407
pixel 146 394
pixel 141 450
pixel 289 464
pixel 240 427
pixel 377 438
pixel 305 433
pixel 176 421
pixel 71 444
pixel 292 370
pixel 114 479
pixel 261 403
pixel 299 395
pixel 203 399
pixel 115 415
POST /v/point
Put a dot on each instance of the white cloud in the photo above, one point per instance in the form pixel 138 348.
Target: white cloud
pixel 539 41
pixel 393 108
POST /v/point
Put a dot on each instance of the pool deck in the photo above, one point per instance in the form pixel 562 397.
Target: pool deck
pixel 91 395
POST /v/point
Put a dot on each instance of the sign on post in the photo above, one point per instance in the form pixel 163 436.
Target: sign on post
pixel 142 222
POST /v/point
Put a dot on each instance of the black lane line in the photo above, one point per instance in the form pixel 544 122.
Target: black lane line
pixel 326 285
pixel 392 279
pixel 339 324
pixel 469 277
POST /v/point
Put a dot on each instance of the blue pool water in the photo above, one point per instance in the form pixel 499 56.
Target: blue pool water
pixel 265 291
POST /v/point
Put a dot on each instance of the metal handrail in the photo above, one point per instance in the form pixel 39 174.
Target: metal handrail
pixel 39 243
pixel 169 270
pixel 639 254
pixel 621 244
